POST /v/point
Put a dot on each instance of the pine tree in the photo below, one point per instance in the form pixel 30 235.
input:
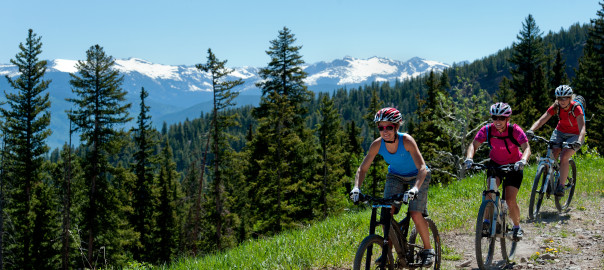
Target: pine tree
pixel 559 76
pixel 98 108
pixel 223 96
pixel 26 129
pixel 590 79
pixel 378 162
pixel 144 200
pixel 528 56
pixel 279 147
pixel 332 153
pixel 167 222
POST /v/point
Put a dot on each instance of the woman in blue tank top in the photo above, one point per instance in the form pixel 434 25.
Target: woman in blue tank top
pixel 406 166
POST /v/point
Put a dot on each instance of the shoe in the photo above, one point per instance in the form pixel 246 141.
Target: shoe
pixel 517 234
pixel 486 228
pixel 559 191
pixel 427 257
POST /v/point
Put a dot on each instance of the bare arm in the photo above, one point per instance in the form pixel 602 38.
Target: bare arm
pixel 364 167
pixel 582 128
pixel 411 146
pixel 472 149
pixel 526 151
pixel 541 121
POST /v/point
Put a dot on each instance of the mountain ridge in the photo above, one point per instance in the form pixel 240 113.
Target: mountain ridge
pixel 178 92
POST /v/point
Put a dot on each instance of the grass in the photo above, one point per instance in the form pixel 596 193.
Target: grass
pixel 332 243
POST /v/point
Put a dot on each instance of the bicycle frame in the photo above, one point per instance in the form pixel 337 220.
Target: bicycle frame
pixel 399 240
pixel 492 189
pixel 552 166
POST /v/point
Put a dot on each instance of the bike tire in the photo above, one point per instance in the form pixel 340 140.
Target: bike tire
pixel 414 240
pixel 563 202
pixel 484 245
pixel 536 196
pixel 508 245
pixel 372 245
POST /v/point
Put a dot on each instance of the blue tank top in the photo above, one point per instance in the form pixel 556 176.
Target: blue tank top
pixel 400 163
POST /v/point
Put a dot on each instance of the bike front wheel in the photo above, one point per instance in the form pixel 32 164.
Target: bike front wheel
pixel 508 245
pixel 536 194
pixel 416 241
pixel 563 202
pixel 369 251
pixel 484 242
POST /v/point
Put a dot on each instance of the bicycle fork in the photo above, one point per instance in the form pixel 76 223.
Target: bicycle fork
pixel 492 195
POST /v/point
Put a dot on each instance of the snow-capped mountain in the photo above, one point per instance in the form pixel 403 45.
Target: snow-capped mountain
pixel 180 92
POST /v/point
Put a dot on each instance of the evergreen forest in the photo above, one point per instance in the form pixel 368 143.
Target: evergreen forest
pixel 238 173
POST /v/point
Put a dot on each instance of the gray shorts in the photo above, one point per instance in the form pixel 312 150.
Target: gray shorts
pixel 560 137
pixel 395 184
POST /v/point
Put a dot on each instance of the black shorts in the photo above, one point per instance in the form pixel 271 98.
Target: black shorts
pixel 512 178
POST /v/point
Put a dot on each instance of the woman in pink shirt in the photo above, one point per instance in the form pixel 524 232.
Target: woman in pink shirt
pixel 505 149
pixel 570 129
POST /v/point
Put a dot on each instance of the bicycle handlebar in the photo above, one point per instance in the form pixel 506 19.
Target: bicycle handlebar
pixel 396 198
pixel 551 143
pixel 505 168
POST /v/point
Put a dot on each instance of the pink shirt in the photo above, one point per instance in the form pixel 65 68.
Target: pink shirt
pixel 567 123
pixel 499 153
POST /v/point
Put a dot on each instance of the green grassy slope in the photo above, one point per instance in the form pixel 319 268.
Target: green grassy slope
pixel 332 243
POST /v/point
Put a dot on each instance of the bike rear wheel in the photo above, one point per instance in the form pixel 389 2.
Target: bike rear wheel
pixel 536 194
pixel 484 244
pixel 416 241
pixel 563 202
pixel 369 251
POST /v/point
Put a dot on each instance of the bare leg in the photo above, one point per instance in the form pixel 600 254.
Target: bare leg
pixel 513 209
pixel 422 227
pixel 564 164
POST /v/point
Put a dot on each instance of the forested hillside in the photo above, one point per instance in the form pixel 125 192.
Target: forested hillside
pixel 210 183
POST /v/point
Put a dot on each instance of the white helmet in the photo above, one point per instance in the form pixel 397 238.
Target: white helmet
pixel 564 91
pixel 501 108
pixel 388 115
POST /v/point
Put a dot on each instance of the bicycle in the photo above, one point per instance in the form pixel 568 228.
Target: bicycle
pixel 548 172
pixel 407 250
pixel 494 210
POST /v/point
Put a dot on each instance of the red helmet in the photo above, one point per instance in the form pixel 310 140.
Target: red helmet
pixel 388 115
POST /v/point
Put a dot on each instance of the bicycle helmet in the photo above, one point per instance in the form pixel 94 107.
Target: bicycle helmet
pixel 564 91
pixel 501 108
pixel 388 115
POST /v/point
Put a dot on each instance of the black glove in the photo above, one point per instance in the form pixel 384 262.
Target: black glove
pixel 529 134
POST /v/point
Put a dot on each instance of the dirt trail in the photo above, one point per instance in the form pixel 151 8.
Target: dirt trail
pixel 572 240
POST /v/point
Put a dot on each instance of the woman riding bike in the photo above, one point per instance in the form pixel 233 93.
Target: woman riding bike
pixel 505 140
pixel 406 166
pixel 570 129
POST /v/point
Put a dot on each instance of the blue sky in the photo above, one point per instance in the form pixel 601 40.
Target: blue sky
pixel 179 32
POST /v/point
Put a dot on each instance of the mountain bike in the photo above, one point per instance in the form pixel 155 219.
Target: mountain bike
pixel 546 180
pixel 406 253
pixel 493 214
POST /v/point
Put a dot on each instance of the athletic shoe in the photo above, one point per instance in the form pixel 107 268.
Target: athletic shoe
pixel 486 228
pixel 427 257
pixel 559 191
pixel 517 234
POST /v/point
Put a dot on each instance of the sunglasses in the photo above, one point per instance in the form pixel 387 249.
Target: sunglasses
pixel 498 117
pixel 563 98
pixel 388 127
